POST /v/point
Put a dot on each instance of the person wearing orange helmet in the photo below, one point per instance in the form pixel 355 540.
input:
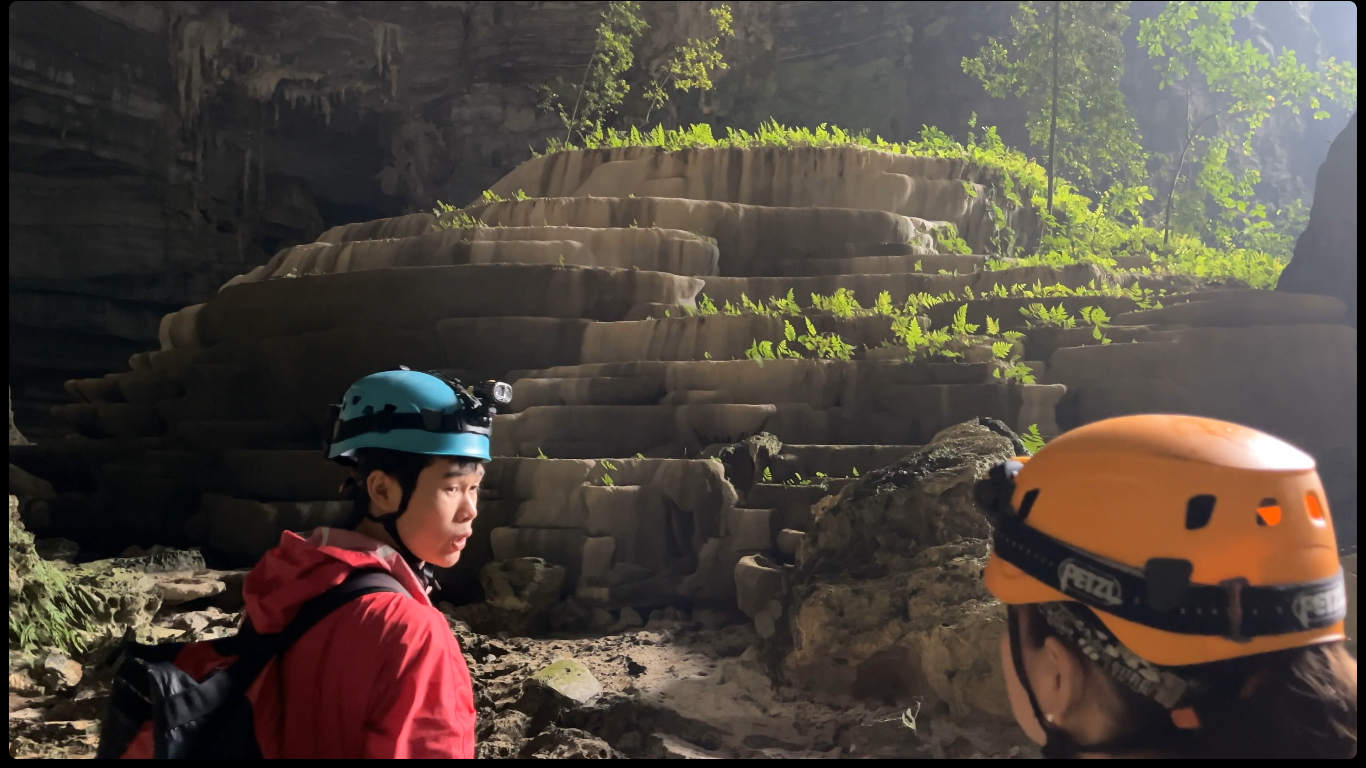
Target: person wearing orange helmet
pixel 1173 589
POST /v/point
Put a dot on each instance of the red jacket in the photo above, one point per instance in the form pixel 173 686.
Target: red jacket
pixel 382 676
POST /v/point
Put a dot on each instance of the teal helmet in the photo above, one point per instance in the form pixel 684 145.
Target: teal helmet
pixel 415 412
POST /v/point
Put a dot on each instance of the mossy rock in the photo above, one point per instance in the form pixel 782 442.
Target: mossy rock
pixel 73 610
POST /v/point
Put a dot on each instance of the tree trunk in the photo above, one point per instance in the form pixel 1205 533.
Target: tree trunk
pixel 1053 111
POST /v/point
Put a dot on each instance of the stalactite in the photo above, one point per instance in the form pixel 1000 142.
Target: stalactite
pixel 196 45
pixel 384 49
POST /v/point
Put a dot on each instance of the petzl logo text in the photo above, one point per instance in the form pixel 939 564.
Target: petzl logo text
pixel 1320 607
pixel 1075 578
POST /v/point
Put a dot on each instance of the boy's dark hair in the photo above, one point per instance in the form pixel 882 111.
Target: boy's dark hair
pixel 400 465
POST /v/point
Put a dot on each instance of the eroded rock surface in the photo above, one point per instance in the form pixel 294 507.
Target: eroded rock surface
pixel 886 598
pixel 1325 259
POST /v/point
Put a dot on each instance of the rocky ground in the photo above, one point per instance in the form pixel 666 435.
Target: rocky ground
pixel 678 687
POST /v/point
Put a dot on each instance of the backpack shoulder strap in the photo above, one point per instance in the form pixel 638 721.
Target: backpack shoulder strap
pixel 357 584
pixel 256 650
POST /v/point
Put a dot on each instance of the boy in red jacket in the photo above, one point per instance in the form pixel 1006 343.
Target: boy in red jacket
pixel 381 676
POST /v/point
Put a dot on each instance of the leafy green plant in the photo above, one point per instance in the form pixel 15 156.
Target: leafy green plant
pixel 1193 44
pixel 607 465
pixel 1094 231
pixel 946 240
pixel 960 325
pixel 1038 316
pixel 588 105
pixel 1032 440
pixel 450 217
pixel 825 346
pixel 706 306
pixel 883 305
pixel 1016 371
pixel 1066 60
pixel 841 304
pixel 1098 320
pixel 540 454
pixel 489 197
pixel 692 65
pixel 768 475
pixel 759 351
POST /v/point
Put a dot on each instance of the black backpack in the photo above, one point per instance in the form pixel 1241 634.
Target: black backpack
pixel 210 719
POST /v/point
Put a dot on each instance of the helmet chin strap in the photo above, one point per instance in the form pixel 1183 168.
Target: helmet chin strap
pixel 1058 743
pixel 426 575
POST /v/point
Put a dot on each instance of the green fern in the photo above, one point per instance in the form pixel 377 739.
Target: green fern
pixel 1032 440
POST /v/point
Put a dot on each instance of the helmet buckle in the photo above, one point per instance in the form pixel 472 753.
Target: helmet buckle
pixel 431 420
pixel 1164 582
pixel 1234 589
pixel 381 421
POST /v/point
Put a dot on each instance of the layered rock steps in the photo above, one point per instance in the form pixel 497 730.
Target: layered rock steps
pixel 649 248
pixel 939 189
pixel 620 370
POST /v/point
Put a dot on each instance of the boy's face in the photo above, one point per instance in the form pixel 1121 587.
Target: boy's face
pixel 440 515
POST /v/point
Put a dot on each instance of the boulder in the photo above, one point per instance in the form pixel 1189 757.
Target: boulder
pixel 886 599
pixel 789 541
pixel 569 682
pixel 746 460
pixel 521 591
pixel 757 582
pixel 1325 260
pixel 60 672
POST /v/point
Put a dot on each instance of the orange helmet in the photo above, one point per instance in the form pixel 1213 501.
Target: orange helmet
pixel 1193 540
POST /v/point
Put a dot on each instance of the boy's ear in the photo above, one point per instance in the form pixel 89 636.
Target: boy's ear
pixel 385 493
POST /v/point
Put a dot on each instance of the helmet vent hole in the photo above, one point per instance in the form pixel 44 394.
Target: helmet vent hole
pixel 1198 511
pixel 1314 508
pixel 355 399
pixel 367 410
pixel 1027 503
pixel 1268 512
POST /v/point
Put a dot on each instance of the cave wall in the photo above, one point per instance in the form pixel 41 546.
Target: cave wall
pixel 158 149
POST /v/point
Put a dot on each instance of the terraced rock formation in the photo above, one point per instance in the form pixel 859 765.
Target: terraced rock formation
pixel 595 296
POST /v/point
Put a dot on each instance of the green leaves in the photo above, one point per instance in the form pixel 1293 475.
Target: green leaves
pixel 450 217
pixel 1032 440
pixel 1038 316
pixel 960 321
pixel 1098 320
pixel 693 64
pixel 1244 87
pixel 946 239
pixel 706 306
pixel 607 465
pixel 1097 139
pixel 841 304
